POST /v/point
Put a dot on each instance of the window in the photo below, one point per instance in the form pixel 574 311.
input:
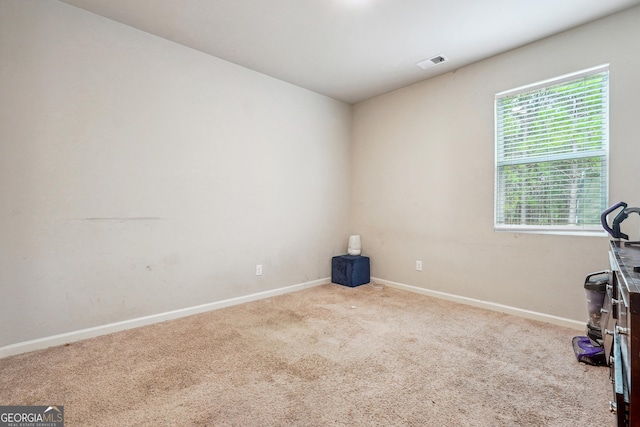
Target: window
pixel 552 154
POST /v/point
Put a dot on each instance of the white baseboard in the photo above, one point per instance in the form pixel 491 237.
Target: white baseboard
pixel 74 336
pixel 82 334
pixel 533 315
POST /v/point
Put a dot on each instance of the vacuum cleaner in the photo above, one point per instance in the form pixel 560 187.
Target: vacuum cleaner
pixel 614 229
pixel 590 349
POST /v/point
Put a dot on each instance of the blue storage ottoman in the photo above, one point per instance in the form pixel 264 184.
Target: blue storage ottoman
pixel 350 270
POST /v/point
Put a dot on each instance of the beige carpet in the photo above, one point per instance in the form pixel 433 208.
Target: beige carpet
pixel 329 355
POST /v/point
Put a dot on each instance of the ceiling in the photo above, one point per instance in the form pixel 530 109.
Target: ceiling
pixel 352 50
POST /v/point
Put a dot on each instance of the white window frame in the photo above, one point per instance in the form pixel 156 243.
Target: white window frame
pixel 499 162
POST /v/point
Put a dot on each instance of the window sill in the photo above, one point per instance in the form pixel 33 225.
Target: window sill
pixel 557 232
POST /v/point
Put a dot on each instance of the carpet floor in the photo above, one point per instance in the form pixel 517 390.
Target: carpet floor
pixel 328 355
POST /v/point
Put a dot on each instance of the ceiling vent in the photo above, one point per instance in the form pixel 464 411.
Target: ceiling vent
pixel 439 59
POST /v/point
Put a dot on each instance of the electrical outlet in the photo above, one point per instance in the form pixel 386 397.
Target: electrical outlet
pixel 419 265
pixel 259 270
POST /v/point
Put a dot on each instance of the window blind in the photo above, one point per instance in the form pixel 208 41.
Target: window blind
pixel 552 154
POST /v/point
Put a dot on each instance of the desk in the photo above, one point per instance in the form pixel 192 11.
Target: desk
pixel 624 326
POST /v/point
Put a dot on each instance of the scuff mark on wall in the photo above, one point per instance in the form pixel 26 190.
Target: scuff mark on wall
pixel 122 219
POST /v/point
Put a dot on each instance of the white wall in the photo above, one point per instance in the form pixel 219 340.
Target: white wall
pixel 423 175
pixel 138 176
